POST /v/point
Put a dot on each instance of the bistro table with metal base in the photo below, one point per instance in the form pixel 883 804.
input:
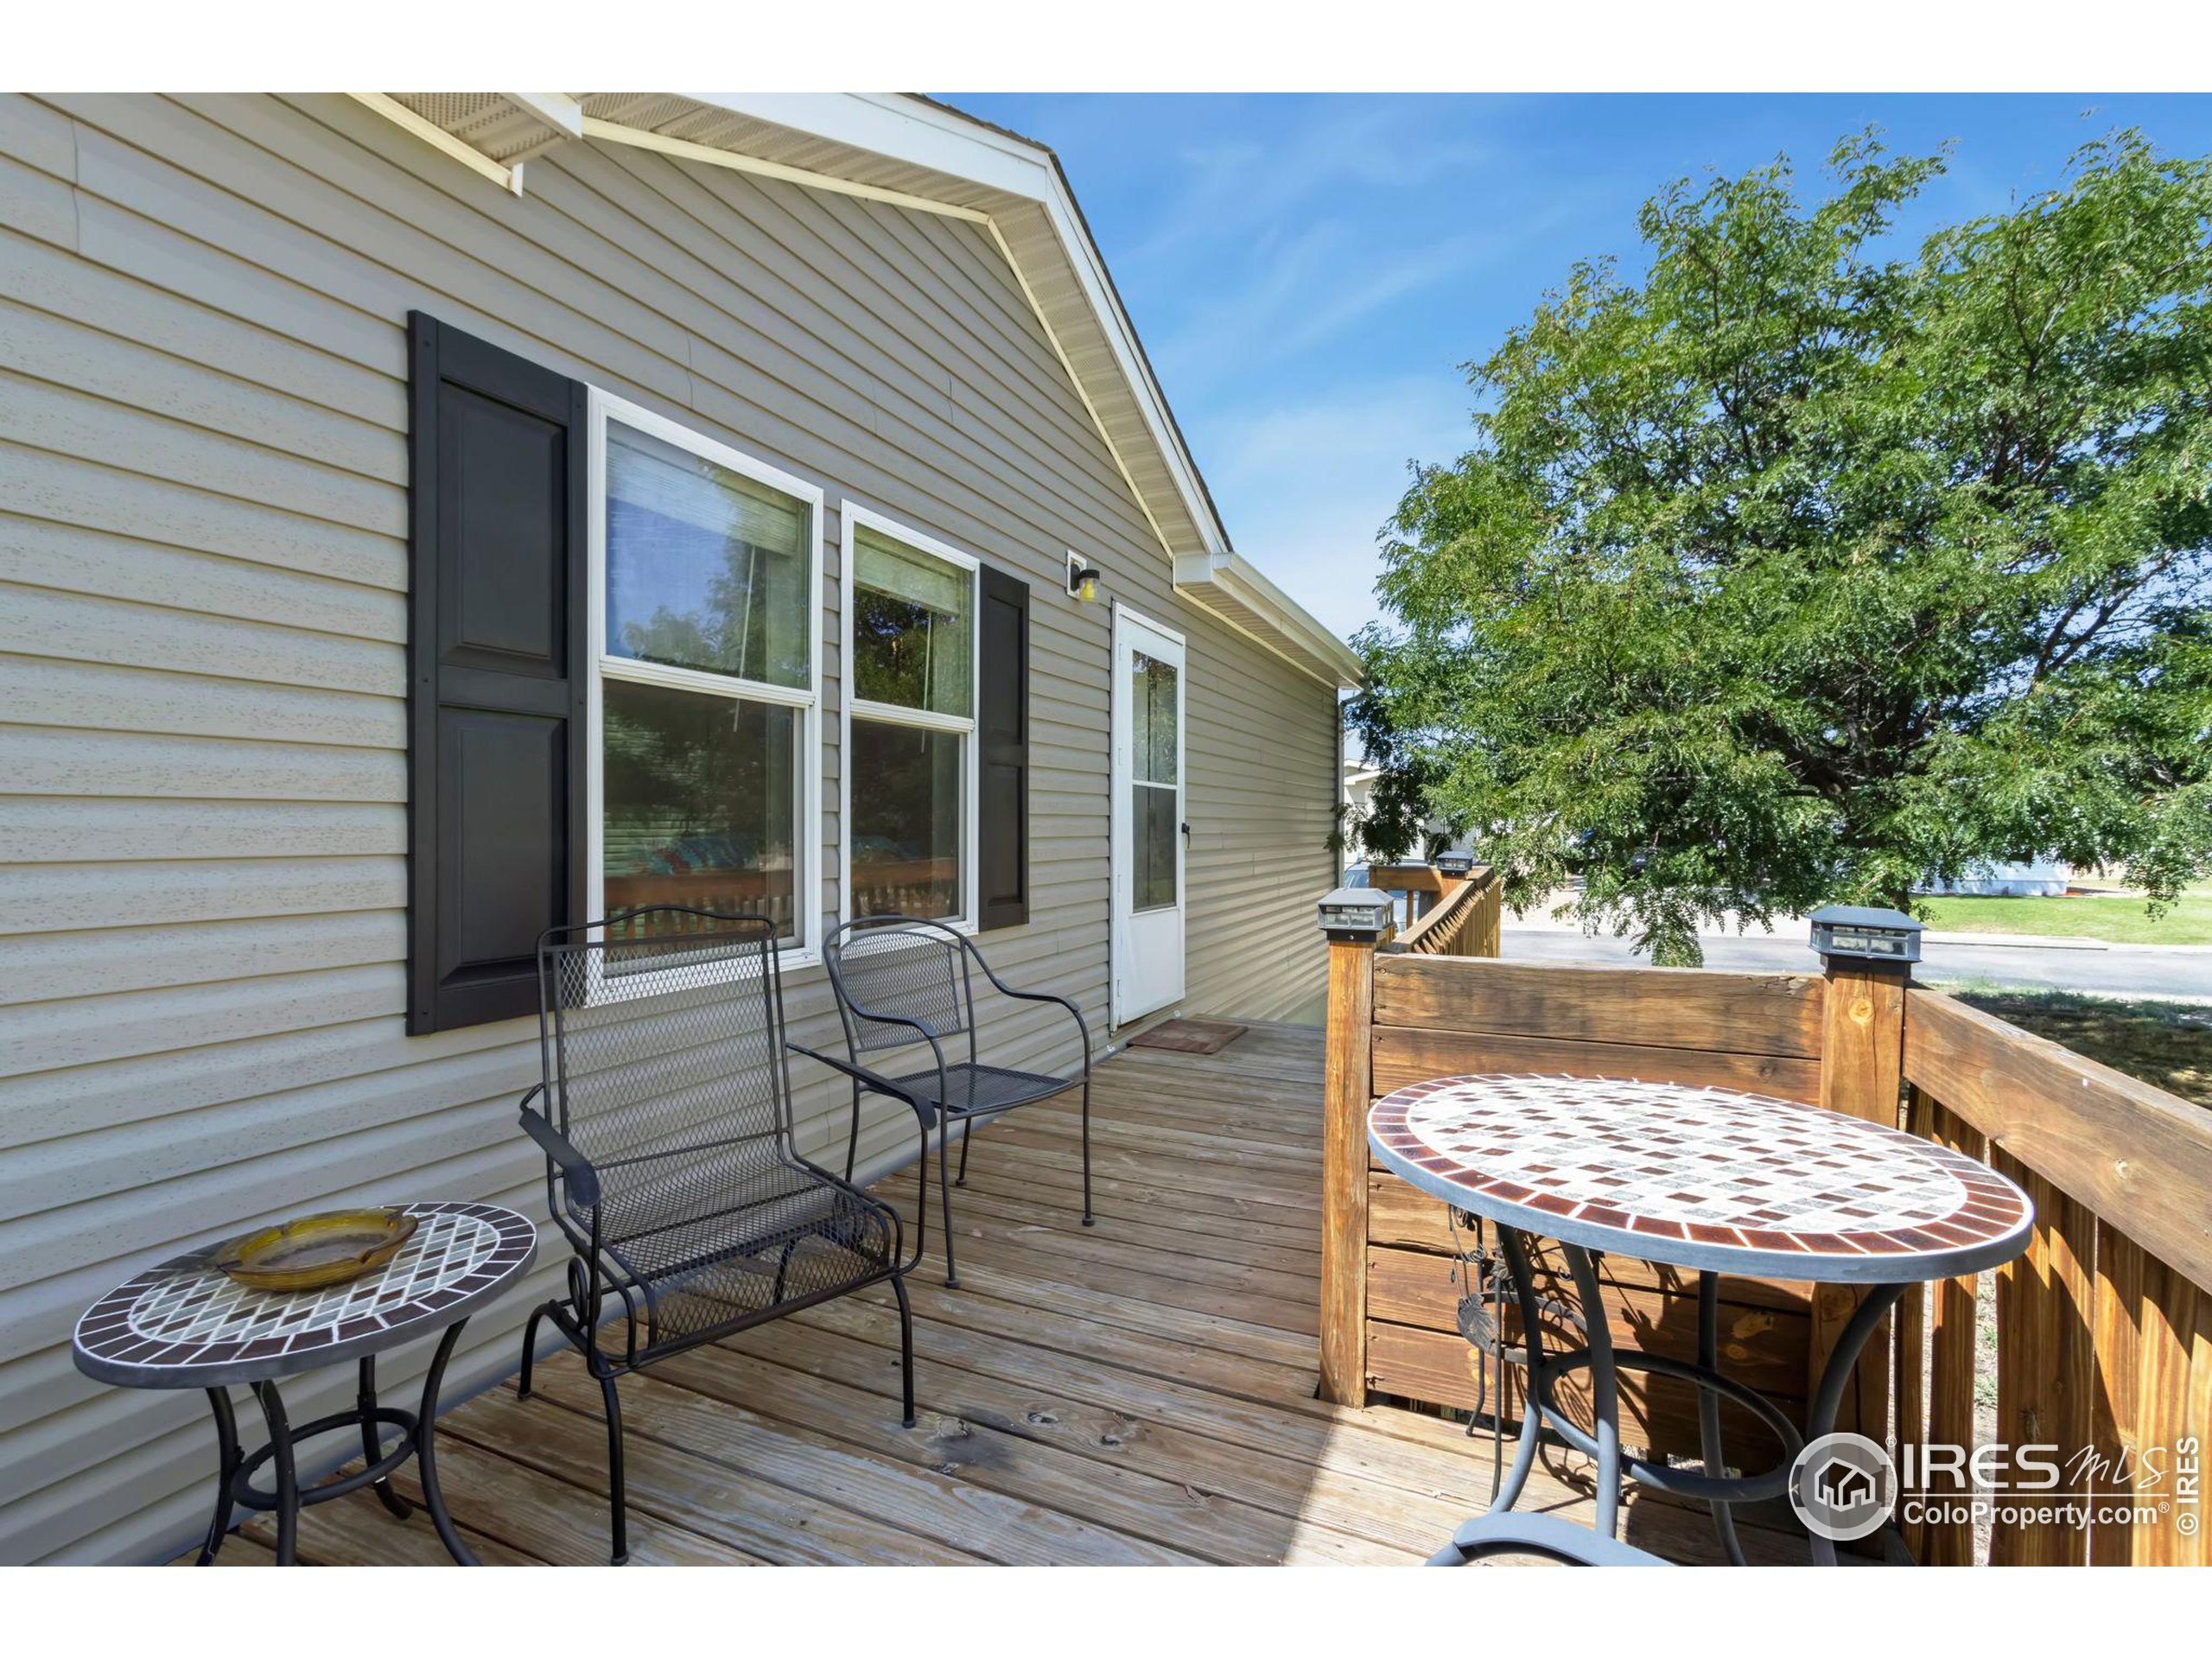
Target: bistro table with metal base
pixel 187 1324
pixel 1709 1179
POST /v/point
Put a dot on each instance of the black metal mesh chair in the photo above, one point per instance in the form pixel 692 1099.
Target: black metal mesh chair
pixel 665 1119
pixel 900 982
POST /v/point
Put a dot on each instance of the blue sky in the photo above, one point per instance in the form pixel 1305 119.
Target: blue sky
pixel 1307 272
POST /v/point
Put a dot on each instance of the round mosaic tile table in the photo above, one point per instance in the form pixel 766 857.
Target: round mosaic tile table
pixel 1710 1179
pixel 187 1324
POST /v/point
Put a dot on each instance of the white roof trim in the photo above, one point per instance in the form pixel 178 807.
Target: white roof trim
pixel 1227 585
pixel 558 109
pixel 615 133
pixel 507 178
pixel 934 138
pixel 911 130
pixel 999 174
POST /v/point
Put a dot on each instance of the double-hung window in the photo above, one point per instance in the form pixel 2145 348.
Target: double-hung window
pixel 706 685
pixel 907 761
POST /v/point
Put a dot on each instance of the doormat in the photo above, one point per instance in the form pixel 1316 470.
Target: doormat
pixel 1190 1036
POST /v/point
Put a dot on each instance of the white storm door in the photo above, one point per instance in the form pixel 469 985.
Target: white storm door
pixel 1146 836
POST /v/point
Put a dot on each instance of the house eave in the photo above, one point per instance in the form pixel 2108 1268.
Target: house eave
pixel 1227 585
pixel 910 151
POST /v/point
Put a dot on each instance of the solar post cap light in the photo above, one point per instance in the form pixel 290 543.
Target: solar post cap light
pixel 1361 914
pixel 1865 933
pixel 1455 863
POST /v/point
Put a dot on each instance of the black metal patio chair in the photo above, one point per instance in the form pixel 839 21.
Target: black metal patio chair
pixel 665 1118
pixel 900 981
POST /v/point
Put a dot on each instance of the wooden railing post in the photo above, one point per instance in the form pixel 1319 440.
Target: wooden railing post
pixel 1490 913
pixel 1347 1088
pixel 1862 1074
pixel 1953 1351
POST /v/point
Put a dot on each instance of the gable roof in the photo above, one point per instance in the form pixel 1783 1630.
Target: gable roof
pixel 917 152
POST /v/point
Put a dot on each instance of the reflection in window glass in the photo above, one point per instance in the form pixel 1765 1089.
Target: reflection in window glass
pixel 912 626
pixel 1152 703
pixel 1153 829
pixel 705 569
pixel 701 795
pixel 907 805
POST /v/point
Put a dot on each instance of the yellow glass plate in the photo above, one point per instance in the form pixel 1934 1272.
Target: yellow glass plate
pixel 312 1251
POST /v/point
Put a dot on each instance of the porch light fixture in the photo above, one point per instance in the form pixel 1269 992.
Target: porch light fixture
pixel 1873 935
pixel 1357 915
pixel 1455 863
pixel 1083 579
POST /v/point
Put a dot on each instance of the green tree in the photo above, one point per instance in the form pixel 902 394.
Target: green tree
pixel 1804 569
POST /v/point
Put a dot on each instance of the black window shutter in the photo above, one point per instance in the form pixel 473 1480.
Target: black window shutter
pixel 496 674
pixel 1002 737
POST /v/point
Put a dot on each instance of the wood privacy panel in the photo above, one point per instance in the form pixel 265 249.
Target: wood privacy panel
pixel 1437 1016
pixel 1693 1008
pixel 1412 1293
pixel 1404 1054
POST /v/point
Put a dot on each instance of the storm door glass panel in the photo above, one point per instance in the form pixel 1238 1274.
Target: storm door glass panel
pixel 913 621
pixel 706 569
pixel 1155 820
pixel 1154 758
pixel 701 803
pixel 908 800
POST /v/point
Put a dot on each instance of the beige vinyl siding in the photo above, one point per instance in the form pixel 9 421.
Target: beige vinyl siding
pixel 202 677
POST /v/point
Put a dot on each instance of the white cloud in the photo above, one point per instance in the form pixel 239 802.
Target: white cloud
pixel 1233 189
pixel 1319 284
pixel 1269 248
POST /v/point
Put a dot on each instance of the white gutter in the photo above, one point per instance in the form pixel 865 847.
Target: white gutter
pixel 507 178
pixel 1205 577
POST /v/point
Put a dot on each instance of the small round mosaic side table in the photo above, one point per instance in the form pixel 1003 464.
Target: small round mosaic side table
pixel 187 1324
pixel 1710 1179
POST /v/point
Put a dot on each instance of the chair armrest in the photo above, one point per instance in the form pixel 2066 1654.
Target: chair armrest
pixel 1082 1025
pixel 582 1178
pixel 865 1078
pixel 920 1028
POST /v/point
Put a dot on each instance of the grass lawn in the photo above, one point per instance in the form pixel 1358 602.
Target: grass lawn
pixel 2120 921
pixel 2169 1044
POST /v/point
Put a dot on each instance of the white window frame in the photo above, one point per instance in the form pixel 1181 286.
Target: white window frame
pixel 805 946
pixel 853 517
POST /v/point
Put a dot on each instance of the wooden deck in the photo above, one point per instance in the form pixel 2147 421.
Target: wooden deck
pixel 1143 1391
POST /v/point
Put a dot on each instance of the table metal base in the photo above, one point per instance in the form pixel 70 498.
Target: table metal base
pixel 415 1430
pixel 1711 1486
pixel 1546 1535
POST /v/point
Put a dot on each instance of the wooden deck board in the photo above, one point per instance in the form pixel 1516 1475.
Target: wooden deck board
pixel 1140 1391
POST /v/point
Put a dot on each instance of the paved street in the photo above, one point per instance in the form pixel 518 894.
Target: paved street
pixel 2114 970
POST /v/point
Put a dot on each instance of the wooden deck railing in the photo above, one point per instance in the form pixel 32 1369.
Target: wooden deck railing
pixel 2102 1332
pixel 1463 921
pixel 2103 1329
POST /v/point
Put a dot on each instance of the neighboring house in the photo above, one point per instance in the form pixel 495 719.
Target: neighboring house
pixel 1359 802
pixel 745 444
pixel 1358 796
